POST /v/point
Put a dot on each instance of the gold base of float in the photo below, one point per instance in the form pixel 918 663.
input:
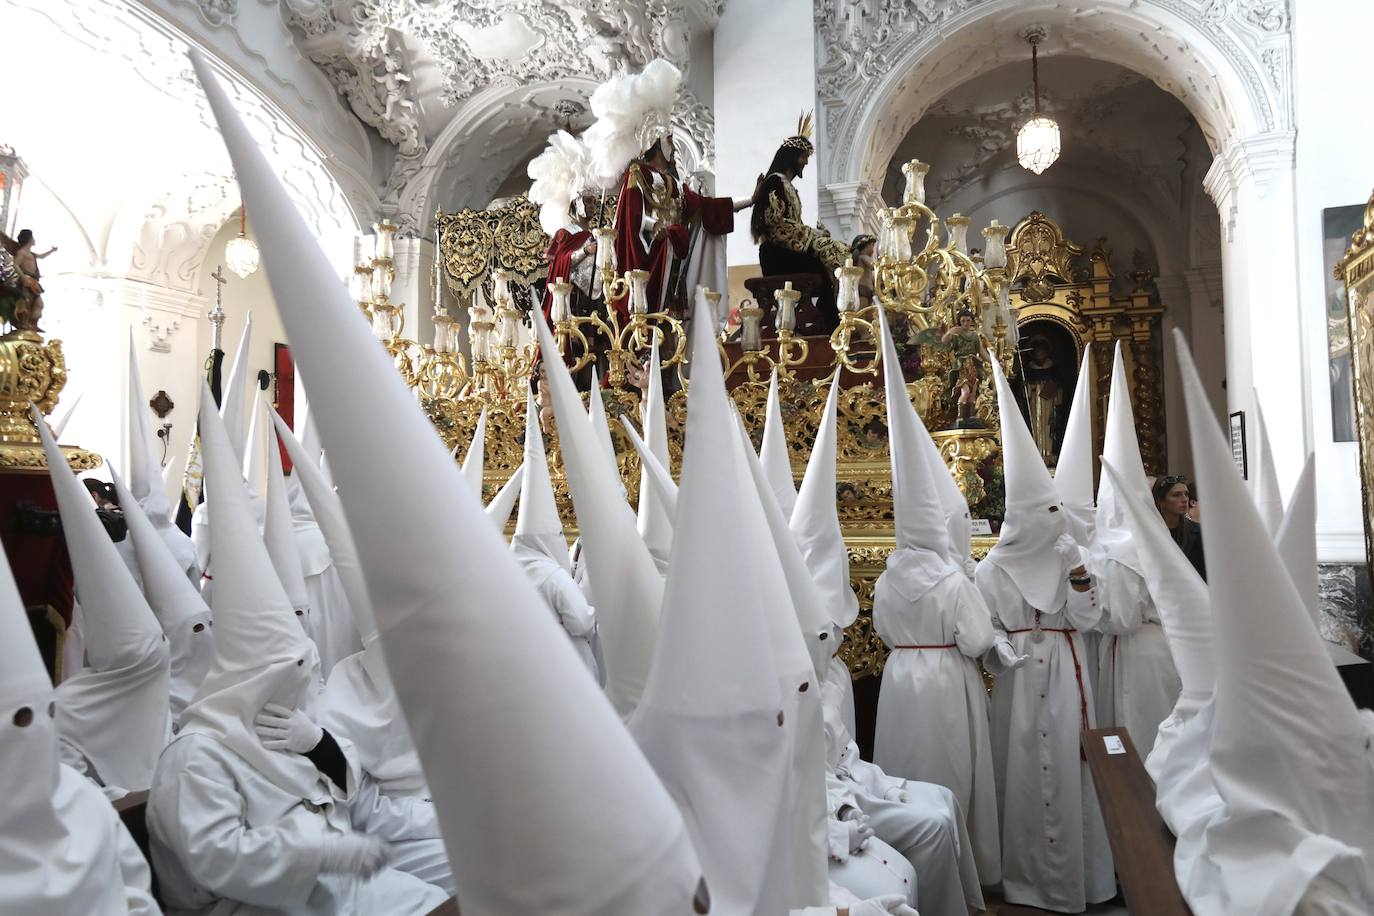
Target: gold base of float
pixel 32 371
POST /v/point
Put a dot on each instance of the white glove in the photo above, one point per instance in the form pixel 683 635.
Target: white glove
pixel 887 905
pixel 859 834
pixel 354 854
pixel 1008 657
pixel 282 729
pixel 1069 551
pixel 897 794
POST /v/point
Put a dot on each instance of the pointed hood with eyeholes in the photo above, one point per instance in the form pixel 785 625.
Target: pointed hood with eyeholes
pixel 655 475
pixel 1035 517
pixel 1113 540
pixel 777 462
pixel 236 395
pixel 595 830
pixel 922 557
pixel 60 855
pixel 503 503
pixel 1073 477
pixel 184 616
pixel 1265 489
pixel 1290 754
pixel 538 529
pixel 261 653
pixel 653 522
pixel 711 718
pixel 474 461
pixel 328 511
pixel 145 472
pixel 815 519
pixel 115 710
pixel 626 587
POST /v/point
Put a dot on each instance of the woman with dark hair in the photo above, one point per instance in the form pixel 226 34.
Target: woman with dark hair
pixel 1172 499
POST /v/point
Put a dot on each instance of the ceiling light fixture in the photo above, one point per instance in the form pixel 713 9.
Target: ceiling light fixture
pixel 241 254
pixel 1037 142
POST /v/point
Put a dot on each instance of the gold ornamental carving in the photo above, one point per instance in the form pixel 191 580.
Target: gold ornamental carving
pixel 32 371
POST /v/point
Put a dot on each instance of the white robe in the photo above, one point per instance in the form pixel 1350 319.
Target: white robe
pixel 1054 844
pixel 877 869
pixel 1137 684
pixel 564 598
pixel 226 840
pixel 332 626
pixel 933 709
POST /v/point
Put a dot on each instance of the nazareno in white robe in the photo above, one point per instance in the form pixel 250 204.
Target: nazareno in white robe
pixel 332 626
pixel 393 800
pixel 1137 684
pixel 563 596
pixel 933 709
pixel 1054 844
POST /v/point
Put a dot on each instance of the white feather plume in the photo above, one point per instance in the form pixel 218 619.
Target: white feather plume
pixel 559 173
pixel 621 105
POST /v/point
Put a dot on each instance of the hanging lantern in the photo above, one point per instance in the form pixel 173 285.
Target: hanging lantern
pixel 1037 142
pixel 241 254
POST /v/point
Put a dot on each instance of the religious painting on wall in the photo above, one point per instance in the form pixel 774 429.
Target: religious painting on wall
pixel 284 398
pixel 1338 224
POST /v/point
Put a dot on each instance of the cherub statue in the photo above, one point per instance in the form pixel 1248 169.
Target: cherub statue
pixel 28 308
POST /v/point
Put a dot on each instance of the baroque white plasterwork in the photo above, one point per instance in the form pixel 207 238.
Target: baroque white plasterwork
pixel 880 63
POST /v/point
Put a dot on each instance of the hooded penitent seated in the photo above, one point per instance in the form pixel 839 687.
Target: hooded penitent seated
pixel 249 807
pixel 1137 682
pixel 935 621
pixel 1054 845
pixel 65 851
pixel 113 714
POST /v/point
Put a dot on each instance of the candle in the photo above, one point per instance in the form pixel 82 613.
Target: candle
pixel 915 172
pixel 958 232
pixel 561 310
pixel 639 293
pixel 995 250
pixel 786 299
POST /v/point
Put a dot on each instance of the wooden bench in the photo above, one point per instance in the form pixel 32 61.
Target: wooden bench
pixel 1142 845
pixel 133 811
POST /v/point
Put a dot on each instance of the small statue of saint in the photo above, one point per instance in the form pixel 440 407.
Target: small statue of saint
pixel 28 307
pixel 966 344
pixel 1044 395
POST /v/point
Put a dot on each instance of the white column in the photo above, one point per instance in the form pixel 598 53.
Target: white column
pixel 765 77
pixel 849 208
pixel 1252 183
pixel 413 287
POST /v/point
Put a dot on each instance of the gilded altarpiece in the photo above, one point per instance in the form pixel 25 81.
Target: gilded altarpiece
pixel 1357 270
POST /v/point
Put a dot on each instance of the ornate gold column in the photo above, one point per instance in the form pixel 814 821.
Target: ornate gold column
pixel 32 371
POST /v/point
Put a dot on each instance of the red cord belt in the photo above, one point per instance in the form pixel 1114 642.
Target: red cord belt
pixel 1077 668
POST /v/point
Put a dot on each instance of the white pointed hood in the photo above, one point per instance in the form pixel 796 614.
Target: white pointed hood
pixel 596 416
pixel 328 511
pixel 1073 476
pixel 654 524
pixel 279 534
pixel 815 519
pixel 503 503
pixel 116 709
pixel 60 855
pixel 235 396
pixel 538 526
pixel 1113 539
pixel 595 829
pixel 1266 479
pixel 59 423
pixel 777 462
pixel 182 613
pixel 1290 754
pixel 626 587
pixel 474 461
pixel 145 473
pixel 261 653
pixel 710 720
pixel 655 476
pixel 921 559
pixel 1035 517
pixel 255 454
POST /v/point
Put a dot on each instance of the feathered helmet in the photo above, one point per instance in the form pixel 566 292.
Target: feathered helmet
pixel 560 173
pixel 633 111
pixel 802 138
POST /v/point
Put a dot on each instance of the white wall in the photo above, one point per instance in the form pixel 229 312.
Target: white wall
pixel 1334 169
pixel 765 77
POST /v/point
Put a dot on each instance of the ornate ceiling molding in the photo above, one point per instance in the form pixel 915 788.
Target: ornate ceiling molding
pixel 1228 60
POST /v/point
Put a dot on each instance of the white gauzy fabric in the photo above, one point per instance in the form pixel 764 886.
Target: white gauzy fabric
pixel 474 461
pixel 65 852
pixel 116 710
pixel 1073 476
pixel 279 537
pixel 145 473
pixel 711 720
pixel 503 503
pixel 1035 516
pixel 1265 488
pixel 654 523
pixel 184 617
pixel 626 587
pixel 777 462
pixel 328 511
pixel 596 832
pixel 655 476
pixel 1290 754
pixel 815 520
